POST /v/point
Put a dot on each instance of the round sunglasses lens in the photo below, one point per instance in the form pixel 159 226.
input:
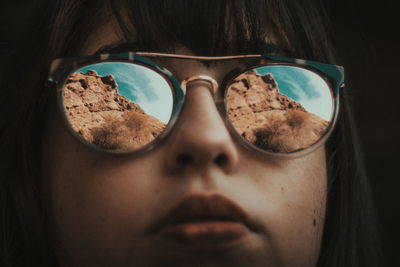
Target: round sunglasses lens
pixel 280 108
pixel 116 106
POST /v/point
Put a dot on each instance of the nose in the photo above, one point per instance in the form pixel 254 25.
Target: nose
pixel 200 139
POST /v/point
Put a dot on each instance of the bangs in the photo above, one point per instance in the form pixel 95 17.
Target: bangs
pixel 227 27
pixel 207 27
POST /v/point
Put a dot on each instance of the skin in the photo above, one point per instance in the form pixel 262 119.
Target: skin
pixel 100 207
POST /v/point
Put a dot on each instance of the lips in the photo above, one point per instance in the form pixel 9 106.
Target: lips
pixel 204 220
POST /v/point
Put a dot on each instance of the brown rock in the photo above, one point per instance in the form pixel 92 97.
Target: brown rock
pixel 103 117
pixel 269 119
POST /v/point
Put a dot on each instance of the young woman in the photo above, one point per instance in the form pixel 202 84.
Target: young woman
pixel 180 133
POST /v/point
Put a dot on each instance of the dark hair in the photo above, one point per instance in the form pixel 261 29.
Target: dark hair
pixel 60 29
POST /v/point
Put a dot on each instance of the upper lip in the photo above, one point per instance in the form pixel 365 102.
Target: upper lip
pixel 196 207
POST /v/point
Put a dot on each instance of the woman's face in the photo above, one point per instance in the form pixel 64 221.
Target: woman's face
pixel 235 208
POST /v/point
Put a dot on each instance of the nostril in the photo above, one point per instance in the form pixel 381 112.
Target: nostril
pixel 184 159
pixel 187 159
pixel 221 160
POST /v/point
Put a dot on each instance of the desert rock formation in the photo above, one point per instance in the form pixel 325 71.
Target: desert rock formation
pixel 105 118
pixel 269 119
pixel 256 109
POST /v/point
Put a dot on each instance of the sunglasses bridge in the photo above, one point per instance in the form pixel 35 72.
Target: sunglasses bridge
pixel 212 84
pixel 202 78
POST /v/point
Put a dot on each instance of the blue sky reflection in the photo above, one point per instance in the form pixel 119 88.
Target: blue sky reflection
pixel 303 86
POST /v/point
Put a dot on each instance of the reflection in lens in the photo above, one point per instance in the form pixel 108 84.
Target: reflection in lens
pixel 280 108
pixel 117 106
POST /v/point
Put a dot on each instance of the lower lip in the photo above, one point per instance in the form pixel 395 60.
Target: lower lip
pixel 206 234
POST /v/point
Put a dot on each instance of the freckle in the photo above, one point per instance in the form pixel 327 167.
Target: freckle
pixel 60 209
pixel 157 190
pixel 314 222
pixel 282 189
pixel 94 163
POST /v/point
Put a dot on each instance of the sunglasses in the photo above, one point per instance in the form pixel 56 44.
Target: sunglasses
pixel 127 103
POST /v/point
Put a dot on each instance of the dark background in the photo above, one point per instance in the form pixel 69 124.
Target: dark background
pixel 368 39
pixel 367 35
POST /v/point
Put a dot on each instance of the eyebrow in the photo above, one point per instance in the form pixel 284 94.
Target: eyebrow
pixel 267 48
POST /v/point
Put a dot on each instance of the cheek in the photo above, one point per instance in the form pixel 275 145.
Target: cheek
pixel 303 206
pixel 93 200
pixel 290 200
